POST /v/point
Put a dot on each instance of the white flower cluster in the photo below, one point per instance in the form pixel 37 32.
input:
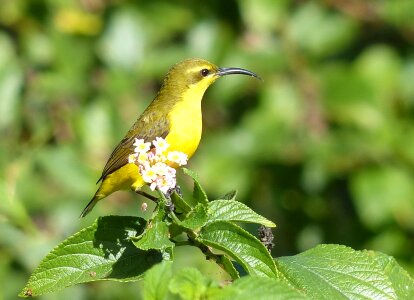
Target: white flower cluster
pixel 153 163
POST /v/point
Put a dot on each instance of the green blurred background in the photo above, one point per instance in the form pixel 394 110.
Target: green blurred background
pixel 323 146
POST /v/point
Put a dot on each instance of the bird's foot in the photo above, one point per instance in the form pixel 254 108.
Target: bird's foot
pixel 170 206
pixel 176 189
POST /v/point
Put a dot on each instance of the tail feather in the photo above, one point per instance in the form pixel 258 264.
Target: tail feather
pixel 89 207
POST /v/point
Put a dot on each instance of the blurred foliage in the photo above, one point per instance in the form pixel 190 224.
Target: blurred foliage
pixel 324 146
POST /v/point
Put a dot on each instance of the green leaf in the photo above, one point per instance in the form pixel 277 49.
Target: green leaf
pixel 197 218
pixel 240 245
pixel 156 236
pixel 339 272
pixel 228 266
pixel 180 204
pixel 199 194
pixel 101 251
pixel 254 287
pixel 156 281
pixel 189 284
pixel 231 210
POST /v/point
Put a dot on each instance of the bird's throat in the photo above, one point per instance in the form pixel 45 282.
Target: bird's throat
pixel 186 122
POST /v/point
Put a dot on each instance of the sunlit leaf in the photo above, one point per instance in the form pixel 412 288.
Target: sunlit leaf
pixel 197 218
pixel 339 272
pixel 101 251
pixel 229 210
pixel 239 245
pixel 156 236
pixel 199 194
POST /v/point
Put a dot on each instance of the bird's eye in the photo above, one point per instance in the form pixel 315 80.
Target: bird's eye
pixel 204 72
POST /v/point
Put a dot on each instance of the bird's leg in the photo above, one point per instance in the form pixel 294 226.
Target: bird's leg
pixel 168 194
pixel 170 206
pixel 176 189
pixel 146 195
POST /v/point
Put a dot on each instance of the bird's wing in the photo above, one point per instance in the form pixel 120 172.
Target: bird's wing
pixel 145 128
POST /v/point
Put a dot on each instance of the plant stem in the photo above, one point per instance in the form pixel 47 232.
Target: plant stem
pixel 146 195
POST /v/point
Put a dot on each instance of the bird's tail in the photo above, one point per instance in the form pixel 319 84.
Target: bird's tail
pixel 90 206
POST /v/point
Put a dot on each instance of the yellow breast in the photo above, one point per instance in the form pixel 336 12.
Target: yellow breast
pixel 186 122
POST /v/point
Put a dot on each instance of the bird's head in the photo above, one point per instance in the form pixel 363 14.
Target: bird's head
pixel 199 74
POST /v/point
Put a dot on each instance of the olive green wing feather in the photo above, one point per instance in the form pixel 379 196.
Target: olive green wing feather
pixel 145 128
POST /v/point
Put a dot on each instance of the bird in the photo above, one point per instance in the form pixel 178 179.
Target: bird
pixel 174 115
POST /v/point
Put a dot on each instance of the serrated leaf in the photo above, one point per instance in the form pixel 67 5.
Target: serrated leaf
pixel 197 218
pixel 199 194
pixel 339 272
pixel 235 211
pixel 254 287
pixel 156 236
pixel 101 251
pixel 189 284
pixel 240 245
pixel 156 281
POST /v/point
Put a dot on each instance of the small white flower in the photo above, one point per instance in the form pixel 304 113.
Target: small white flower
pixel 153 186
pixel 148 174
pixel 153 163
pixel 141 146
pixel 170 178
pixel 154 156
pixel 132 158
pixel 164 188
pixel 160 145
pixel 137 142
pixel 142 158
pixel 144 166
pixel 171 171
pixel 177 157
pixel 164 183
pixel 160 168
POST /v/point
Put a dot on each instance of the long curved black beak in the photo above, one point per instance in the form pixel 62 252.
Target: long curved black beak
pixel 230 71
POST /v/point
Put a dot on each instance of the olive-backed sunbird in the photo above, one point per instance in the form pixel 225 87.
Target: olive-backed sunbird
pixel 174 114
